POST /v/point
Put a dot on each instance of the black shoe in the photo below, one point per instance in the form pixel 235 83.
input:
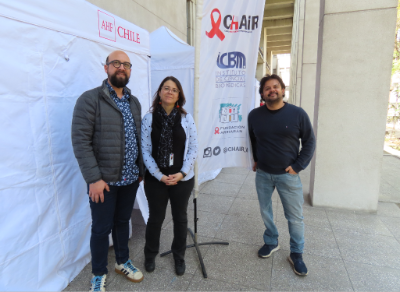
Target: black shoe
pixel 267 250
pixel 150 265
pixel 180 267
pixel 296 261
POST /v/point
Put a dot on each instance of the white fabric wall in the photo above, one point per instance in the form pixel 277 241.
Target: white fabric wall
pixel 44 214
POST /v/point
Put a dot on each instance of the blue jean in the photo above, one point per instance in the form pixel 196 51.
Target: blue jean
pixel 290 191
pixel 113 214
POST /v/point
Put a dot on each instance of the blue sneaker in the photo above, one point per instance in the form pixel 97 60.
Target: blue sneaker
pixel 296 261
pixel 98 283
pixel 266 250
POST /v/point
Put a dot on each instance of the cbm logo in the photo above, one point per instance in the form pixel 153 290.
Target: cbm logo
pixel 231 60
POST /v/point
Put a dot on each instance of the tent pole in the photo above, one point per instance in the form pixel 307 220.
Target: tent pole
pixel 199 11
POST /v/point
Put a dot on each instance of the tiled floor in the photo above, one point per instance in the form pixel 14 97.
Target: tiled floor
pixel 345 250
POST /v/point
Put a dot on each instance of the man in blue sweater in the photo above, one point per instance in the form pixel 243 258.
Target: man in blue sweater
pixel 275 130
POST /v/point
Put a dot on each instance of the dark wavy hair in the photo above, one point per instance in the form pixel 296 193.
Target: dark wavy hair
pixel 269 77
pixel 181 100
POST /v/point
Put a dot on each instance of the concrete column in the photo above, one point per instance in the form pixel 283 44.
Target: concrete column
pixel 261 69
pixel 269 60
pixel 309 56
pixel 296 52
pixel 355 48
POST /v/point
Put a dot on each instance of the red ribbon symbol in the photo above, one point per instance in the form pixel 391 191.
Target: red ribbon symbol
pixel 216 130
pixel 215 26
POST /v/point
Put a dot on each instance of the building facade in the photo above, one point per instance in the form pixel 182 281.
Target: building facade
pixel 341 56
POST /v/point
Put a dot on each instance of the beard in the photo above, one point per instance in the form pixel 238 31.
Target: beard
pixel 273 100
pixel 118 81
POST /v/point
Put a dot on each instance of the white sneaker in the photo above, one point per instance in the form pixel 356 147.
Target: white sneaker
pixel 98 283
pixel 130 271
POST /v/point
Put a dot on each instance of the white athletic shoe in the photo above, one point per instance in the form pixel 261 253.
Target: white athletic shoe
pixel 130 271
pixel 98 283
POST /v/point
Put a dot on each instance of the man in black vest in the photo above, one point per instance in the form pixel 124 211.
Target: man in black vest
pixel 106 140
pixel 275 130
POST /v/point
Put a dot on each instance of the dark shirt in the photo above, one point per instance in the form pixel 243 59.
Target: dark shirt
pixel 178 147
pixel 275 138
pixel 130 169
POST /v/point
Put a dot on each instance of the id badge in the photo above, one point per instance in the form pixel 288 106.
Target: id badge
pixel 171 159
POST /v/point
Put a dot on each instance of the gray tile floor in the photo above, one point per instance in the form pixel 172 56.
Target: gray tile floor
pixel 345 250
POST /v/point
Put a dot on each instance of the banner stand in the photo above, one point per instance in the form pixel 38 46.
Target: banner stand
pixel 199 12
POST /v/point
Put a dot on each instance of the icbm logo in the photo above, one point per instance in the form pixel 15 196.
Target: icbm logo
pixel 231 60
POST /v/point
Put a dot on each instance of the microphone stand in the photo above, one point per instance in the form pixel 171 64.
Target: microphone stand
pixel 194 236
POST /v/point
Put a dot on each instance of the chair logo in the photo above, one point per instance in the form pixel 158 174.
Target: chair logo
pixel 231 23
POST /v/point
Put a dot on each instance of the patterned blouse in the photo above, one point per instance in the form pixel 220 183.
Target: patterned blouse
pixel 130 170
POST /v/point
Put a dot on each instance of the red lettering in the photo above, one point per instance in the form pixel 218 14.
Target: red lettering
pixel 106 25
pixel 234 23
pixel 127 34
pixel 109 26
pixel 119 32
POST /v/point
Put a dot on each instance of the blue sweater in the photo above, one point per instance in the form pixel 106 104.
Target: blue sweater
pixel 275 138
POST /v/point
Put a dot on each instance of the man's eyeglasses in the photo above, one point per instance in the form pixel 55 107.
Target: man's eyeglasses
pixel 117 64
pixel 173 90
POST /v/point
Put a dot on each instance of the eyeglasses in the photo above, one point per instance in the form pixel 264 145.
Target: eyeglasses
pixel 117 64
pixel 173 90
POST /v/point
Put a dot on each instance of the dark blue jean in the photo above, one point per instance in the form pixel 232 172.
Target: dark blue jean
pixel 113 214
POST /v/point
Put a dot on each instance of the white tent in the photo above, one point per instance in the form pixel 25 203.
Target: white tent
pixel 51 52
pixel 171 56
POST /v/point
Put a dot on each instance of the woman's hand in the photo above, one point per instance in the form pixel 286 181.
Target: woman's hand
pixel 172 179
pixel 167 180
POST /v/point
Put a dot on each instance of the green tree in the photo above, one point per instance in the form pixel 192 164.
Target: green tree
pixel 396 52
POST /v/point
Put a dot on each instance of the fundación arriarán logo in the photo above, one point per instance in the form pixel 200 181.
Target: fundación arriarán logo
pixel 231 23
pixel 229 113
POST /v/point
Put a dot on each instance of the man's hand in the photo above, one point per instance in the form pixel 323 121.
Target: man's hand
pixel 255 166
pixel 290 170
pixel 96 191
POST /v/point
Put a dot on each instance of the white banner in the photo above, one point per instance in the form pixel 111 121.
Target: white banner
pixel 228 60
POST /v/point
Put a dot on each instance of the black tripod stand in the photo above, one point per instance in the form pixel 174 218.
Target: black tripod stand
pixel 194 237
